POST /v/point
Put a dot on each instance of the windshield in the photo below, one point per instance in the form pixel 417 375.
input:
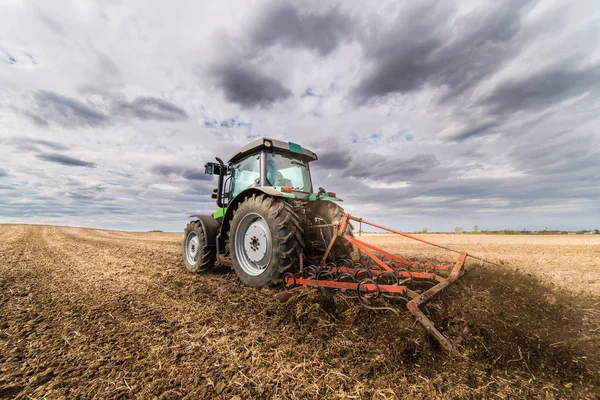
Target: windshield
pixel 288 171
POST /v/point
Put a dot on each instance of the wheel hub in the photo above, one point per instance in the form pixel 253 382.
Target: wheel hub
pixel 255 244
pixel 253 247
pixel 192 248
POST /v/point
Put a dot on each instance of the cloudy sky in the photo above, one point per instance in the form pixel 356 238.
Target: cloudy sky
pixel 424 114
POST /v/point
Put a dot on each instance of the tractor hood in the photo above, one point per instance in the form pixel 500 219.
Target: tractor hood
pixel 270 144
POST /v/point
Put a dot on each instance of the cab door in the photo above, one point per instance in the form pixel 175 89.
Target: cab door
pixel 244 174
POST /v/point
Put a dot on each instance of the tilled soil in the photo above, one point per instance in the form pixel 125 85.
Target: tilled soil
pixel 100 314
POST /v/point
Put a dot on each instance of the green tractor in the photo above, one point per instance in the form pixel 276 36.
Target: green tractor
pixel 269 218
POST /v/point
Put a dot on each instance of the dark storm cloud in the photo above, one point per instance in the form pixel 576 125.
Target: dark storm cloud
pixel 249 87
pixel 195 175
pixel 70 113
pixel 470 195
pixel 192 174
pixel 30 144
pixel 431 45
pixel 283 23
pixel 384 167
pixel 36 119
pixel 543 89
pixel 279 24
pixel 3 172
pixel 333 160
pixel 66 111
pixel 65 160
pixel 564 155
pixel 474 129
pixel 166 170
pixel 150 108
pixel 531 93
pixel 107 65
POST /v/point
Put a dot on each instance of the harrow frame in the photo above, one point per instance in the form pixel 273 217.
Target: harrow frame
pixel 398 274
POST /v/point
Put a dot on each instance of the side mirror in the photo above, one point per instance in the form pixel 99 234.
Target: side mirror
pixel 212 168
pixel 221 170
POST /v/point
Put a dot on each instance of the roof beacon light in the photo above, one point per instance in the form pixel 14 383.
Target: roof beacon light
pixel 331 194
pixel 286 189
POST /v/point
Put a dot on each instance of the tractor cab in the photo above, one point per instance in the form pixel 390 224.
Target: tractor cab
pixel 284 172
pixel 269 219
pixel 264 163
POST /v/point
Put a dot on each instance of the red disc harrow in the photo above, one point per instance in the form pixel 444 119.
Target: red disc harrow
pixel 369 277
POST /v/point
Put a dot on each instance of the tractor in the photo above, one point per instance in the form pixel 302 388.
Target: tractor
pixel 280 233
pixel 268 215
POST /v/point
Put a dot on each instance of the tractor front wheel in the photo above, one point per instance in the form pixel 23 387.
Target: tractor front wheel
pixel 197 256
pixel 264 241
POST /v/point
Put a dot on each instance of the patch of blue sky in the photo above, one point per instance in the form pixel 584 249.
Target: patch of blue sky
pixel 308 93
pixel 9 58
pixel 228 123
pixel 20 184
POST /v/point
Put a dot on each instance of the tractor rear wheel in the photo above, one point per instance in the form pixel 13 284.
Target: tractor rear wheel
pixel 197 256
pixel 329 212
pixel 264 240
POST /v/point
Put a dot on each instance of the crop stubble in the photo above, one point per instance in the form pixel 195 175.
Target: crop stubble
pixel 103 314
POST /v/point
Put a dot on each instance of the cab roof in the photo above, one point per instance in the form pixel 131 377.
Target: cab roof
pixel 281 146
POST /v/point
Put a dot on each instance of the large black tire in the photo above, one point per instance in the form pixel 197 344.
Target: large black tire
pixel 204 256
pixel 331 212
pixel 286 236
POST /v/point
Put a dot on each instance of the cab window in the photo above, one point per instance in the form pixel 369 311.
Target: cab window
pixel 245 174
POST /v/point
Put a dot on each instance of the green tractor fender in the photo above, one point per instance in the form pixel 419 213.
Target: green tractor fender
pixel 233 205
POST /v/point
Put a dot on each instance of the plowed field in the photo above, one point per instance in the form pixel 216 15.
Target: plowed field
pixel 105 314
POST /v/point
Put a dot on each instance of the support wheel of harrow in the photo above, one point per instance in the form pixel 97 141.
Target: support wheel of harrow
pixel 329 212
pixel 197 256
pixel 264 241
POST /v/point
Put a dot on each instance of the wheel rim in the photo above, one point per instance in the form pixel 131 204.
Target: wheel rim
pixel 192 248
pixel 253 244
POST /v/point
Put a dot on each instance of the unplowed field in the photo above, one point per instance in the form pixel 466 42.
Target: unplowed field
pixel 104 314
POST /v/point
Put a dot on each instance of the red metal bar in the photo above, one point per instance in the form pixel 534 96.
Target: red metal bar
pixel 373 257
pixel 425 297
pixel 353 218
pixel 400 233
pixel 331 242
pixel 355 241
pixel 351 285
